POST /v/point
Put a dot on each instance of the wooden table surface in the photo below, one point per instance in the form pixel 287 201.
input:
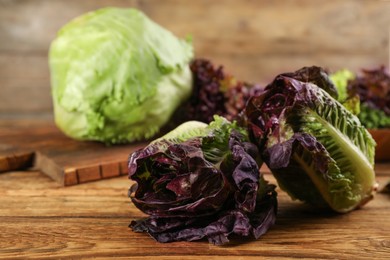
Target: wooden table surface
pixel 41 219
pixel 254 40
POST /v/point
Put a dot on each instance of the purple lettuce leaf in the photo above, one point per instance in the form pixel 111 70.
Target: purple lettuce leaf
pixel 216 228
pixel 215 92
pixel 317 76
pixel 204 187
pixel 318 151
pixel 171 180
pixel 373 88
pixel 288 171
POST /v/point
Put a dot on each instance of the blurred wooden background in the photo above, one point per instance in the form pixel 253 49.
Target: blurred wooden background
pixel 254 40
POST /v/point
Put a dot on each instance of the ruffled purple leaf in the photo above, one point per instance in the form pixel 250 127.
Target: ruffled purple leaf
pixel 175 180
pixel 216 228
pixel 215 92
pixel 279 156
pixel 373 88
pixel 311 142
pixel 283 97
pixel 189 198
pixel 316 75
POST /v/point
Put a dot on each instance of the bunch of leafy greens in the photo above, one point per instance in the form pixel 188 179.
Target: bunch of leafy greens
pixel 215 92
pixel 372 87
pixel 117 76
pixel 317 150
pixel 350 101
pixel 201 181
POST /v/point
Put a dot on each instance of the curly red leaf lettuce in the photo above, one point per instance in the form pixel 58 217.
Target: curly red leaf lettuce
pixel 373 88
pixel 367 94
pixel 203 187
pixel 214 93
pixel 317 150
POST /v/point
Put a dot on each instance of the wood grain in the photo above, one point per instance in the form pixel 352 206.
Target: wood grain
pixel 41 145
pixel 39 219
pixel 12 158
pixel 254 40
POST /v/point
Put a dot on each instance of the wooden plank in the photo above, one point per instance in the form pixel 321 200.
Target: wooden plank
pixel 33 98
pixel 66 161
pixel 123 168
pixel 265 67
pixel 325 24
pixel 20 65
pixel 254 40
pixel 110 170
pixel 38 219
pixel 40 144
pixel 12 158
pixel 50 167
pixel 25 95
pixel 87 174
pixel 70 177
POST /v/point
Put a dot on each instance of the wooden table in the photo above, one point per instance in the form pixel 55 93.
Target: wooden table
pixel 41 219
pixel 255 41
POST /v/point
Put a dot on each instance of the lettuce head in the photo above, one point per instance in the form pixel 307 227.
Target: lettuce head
pixel 201 181
pixel 117 76
pixel 318 151
pixel 371 90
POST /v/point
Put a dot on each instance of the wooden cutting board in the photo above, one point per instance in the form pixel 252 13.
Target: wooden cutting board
pixel 25 144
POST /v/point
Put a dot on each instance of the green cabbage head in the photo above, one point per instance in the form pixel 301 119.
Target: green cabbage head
pixel 117 76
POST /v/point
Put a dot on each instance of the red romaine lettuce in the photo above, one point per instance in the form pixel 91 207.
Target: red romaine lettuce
pixel 201 186
pixel 317 150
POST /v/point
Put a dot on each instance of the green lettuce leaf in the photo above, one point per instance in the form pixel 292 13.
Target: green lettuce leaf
pixel 350 100
pixel 365 95
pixel 373 118
pixel 340 79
